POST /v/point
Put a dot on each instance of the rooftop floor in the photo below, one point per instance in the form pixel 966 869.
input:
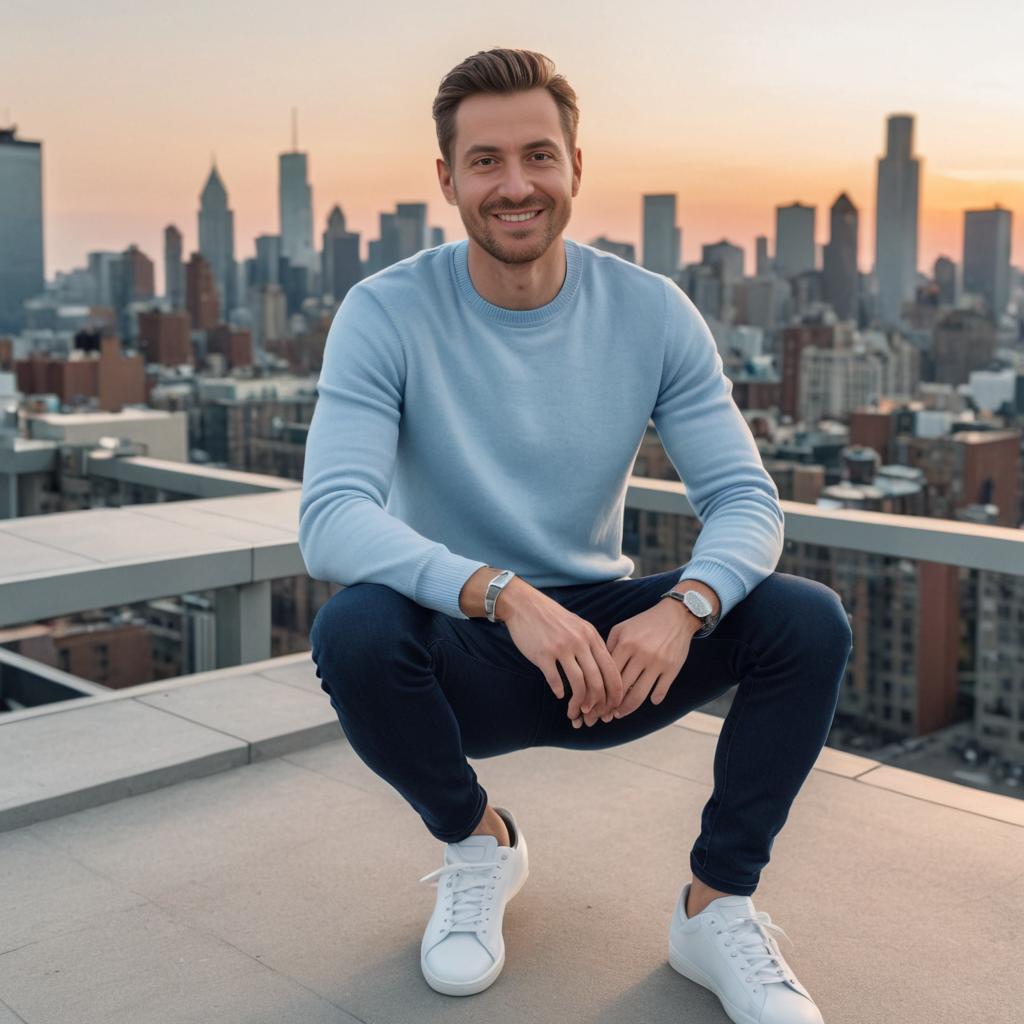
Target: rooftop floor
pixel 272 877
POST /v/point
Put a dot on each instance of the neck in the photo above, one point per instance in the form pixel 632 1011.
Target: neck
pixel 518 285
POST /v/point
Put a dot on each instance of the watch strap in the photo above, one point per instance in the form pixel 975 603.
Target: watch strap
pixel 494 588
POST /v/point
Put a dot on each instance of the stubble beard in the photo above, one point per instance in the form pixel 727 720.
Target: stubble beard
pixel 484 233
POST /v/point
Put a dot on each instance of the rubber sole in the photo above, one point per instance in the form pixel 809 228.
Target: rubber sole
pixel 471 988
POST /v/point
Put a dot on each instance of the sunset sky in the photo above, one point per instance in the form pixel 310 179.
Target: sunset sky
pixel 737 109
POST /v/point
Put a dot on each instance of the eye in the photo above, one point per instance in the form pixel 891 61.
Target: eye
pixel 480 160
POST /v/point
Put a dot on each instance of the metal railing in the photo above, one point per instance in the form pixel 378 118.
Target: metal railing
pixel 240 570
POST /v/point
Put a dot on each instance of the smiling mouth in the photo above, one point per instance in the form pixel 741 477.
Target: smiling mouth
pixel 518 223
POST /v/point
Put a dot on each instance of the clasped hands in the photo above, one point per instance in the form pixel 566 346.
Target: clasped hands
pixel 607 680
pixel 648 652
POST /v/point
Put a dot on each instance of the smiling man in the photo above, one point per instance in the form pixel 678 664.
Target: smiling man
pixel 481 405
pixel 513 257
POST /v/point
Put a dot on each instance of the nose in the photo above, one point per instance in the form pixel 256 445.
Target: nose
pixel 515 185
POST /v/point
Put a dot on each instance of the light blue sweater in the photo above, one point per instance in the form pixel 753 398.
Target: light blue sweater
pixel 451 433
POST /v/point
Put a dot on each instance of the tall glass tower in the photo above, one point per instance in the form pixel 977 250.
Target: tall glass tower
pixel 896 211
pixel 295 201
pixel 662 242
pixel 21 226
pixel 217 239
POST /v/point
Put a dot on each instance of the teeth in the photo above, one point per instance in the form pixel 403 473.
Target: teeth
pixel 518 216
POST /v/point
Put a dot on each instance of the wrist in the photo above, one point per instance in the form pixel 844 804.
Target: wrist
pixel 688 620
pixel 510 598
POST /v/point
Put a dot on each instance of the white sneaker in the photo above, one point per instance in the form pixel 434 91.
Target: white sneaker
pixel 463 950
pixel 726 949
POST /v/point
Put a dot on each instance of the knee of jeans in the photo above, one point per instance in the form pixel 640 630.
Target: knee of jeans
pixel 357 618
pixel 832 619
pixel 347 622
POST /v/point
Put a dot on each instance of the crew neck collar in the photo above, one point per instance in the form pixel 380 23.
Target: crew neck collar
pixel 517 317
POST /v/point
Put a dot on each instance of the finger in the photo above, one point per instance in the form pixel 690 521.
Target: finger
pixel 625 707
pixel 595 683
pixel 613 687
pixel 637 693
pixel 577 684
pixel 665 681
pixel 631 672
pixel 550 670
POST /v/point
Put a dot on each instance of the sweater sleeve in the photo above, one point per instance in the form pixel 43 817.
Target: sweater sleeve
pixel 345 534
pixel 714 452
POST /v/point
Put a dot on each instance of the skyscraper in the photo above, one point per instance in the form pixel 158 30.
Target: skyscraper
pixel 402 234
pixel 987 256
pixel 105 273
pixel 945 274
pixel 762 264
pixel 295 205
pixel 217 240
pixel 662 241
pixel 268 260
pixel 794 239
pixel 729 257
pixel 137 277
pixel 136 283
pixel 840 262
pixel 201 293
pixel 896 211
pixel 174 268
pixel 725 261
pixel 411 228
pixel 342 267
pixel 21 225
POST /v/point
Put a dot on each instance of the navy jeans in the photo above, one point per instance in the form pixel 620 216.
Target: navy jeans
pixel 417 692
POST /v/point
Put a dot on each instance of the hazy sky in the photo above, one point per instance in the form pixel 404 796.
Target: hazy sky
pixel 736 107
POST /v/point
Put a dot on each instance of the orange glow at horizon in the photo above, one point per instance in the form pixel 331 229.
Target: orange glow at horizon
pixel 736 109
pixel 712 205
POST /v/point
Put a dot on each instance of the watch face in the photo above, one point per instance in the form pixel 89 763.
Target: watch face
pixel 697 603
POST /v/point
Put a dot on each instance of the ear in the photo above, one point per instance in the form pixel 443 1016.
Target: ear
pixel 577 171
pixel 445 180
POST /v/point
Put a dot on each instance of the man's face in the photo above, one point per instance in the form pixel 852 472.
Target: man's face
pixel 516 175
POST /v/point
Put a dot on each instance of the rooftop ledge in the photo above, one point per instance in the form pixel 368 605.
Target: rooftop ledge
pixel 75 561
pixel 288 889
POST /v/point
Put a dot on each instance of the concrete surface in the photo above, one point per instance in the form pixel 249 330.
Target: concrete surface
pixel 286 889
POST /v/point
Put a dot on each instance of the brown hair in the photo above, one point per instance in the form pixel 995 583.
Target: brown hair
pixel 502 71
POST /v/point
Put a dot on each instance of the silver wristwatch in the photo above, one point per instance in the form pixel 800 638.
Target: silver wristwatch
pixel 699 605
pixel 494 588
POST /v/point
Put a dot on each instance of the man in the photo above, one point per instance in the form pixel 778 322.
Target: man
pixel 480 408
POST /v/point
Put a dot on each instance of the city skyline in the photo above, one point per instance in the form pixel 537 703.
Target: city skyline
pixel 755 78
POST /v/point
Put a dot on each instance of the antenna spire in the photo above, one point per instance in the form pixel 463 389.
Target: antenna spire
pixel 295 131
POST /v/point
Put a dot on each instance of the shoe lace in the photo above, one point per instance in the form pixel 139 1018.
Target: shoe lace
pixel 469 891
pixel 758 948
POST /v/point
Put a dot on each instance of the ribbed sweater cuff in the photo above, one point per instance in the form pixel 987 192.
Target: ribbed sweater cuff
pixel 441 580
